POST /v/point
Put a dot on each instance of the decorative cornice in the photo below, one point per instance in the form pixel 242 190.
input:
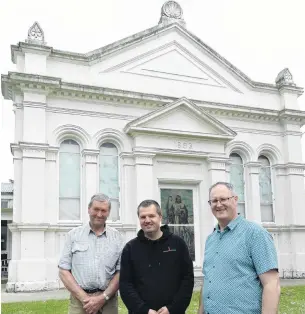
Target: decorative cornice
pixel 17 82
pixel 283 228
pixel 297 169
pixel 217 163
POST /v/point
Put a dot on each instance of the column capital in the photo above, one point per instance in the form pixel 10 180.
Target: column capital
pixel 91 155
pixel 217 163
pixel 144 158
pixel 51 153
pixel 253 167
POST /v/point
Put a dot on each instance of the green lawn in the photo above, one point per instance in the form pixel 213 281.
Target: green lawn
pixel 292 301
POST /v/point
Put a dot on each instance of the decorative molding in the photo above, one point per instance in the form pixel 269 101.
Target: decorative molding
pixel 91 156
pixel 178 181
pixel 283 228
pixel 34 104
pixel 217 163
pixel 241 148
pixel 70 131
pixel 144 158
pixel 51 154
pixel 253 167
pixel 297 169
pixel 271 152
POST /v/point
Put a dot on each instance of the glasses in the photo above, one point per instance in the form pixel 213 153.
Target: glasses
pixel 221 201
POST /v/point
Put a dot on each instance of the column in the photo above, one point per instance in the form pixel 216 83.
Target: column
pixel 128 187
pixel 28 266
pixel 51 186
pixel 128 190
pixel 90 179
pixel 217 168
pixel 253 192
pixel 144 177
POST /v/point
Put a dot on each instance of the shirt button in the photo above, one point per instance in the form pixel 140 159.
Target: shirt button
pixel 210 281
pixel 208 297
pixel 213 266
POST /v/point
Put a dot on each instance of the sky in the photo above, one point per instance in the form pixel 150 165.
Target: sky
pixel 259 37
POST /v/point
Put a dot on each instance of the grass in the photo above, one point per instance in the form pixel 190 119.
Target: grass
pixel 292 302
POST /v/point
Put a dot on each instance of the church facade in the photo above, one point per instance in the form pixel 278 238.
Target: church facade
pixel 156 115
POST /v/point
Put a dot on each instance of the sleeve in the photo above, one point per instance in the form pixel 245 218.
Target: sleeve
pixel 184 295
pixel 128 292
pixel 121 246
pixel 263 252
pixel 65 261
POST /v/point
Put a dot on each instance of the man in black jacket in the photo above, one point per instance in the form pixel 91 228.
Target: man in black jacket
pixel 156 273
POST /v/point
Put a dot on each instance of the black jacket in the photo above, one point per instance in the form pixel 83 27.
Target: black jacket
pixel 156 273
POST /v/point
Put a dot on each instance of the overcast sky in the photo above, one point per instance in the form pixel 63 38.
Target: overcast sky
pixel 259 37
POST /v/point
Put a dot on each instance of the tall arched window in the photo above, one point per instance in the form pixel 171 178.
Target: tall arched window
pixel 237 179
pixel 109 177
pixel 69 181
pixel 265 189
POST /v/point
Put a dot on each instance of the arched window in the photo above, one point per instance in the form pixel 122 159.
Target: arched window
pixel 265 189
pixel 109 177
pixel 237 179
pixel 69 181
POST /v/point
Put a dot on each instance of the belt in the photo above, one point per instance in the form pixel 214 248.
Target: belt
pixel 92 290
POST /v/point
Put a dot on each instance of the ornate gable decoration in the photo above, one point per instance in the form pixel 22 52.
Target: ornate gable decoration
pixel 35 35
pixel 181 118
pixel 284 78
pixel 171 12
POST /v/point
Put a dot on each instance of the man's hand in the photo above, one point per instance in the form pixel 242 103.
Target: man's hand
pixel 163 310
pixel 152 312
pixel 93 303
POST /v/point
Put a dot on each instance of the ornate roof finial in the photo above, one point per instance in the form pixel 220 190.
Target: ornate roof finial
pixel 284 78
pixel 35 35
pixel 171 12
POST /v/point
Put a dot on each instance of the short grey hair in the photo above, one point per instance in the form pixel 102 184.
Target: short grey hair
pixel 100 197
pixel 227 184
pixel 147 203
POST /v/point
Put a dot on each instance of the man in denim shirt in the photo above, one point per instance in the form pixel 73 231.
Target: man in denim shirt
pixel 240 262
pixel 90 262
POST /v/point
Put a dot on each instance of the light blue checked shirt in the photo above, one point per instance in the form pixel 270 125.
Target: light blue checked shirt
pixel 93 260
pixel 233 260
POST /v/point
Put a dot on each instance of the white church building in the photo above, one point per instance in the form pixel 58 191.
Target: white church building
pixel 156 115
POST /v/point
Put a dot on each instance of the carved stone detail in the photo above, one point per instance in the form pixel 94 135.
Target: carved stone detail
pixel 36 35
pixel 171 12
pixel 284 78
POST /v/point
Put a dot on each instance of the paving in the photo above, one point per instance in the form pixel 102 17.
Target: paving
pixel 62 294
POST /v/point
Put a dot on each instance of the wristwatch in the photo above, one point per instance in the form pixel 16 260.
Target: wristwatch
pixel 106 296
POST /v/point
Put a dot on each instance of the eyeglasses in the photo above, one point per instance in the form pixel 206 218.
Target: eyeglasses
pixel 221 201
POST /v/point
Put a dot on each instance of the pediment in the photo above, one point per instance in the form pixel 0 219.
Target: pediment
pixel 182 118
pixel 172 62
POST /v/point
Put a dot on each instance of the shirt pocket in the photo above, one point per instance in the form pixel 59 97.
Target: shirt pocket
pixel 80 252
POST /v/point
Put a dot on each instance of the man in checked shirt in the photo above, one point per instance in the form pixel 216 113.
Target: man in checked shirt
pixel 90 262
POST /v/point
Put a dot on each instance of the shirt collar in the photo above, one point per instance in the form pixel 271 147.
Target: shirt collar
pixel 233 223
pixel 89 230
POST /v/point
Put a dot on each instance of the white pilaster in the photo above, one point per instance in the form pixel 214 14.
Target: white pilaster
pixel 91 179
pixel 253 193
pixel 128 190
pixel 51 186
pixel 217 169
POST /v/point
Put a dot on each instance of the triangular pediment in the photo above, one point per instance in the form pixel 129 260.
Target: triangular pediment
pixel 172 62
pixel 181 117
